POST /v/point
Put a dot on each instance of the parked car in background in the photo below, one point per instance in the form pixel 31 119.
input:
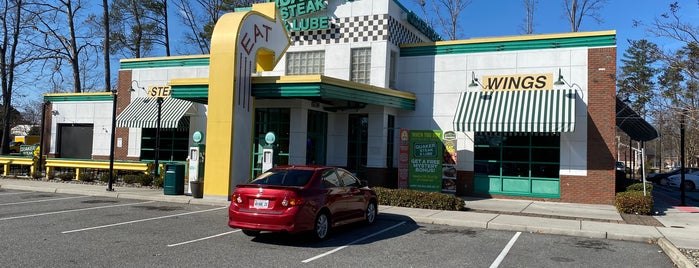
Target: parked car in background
pixel 661 178
pixel 297 199
pixel 691 181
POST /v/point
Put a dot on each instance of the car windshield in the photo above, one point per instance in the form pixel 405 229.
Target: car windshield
pixel 284 177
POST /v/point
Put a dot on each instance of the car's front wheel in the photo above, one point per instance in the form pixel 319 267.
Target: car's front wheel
pixel 321 227
pixel 251 232
pixel 371 212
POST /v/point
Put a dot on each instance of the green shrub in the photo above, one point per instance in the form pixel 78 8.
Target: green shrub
pixel 131 178
pixel 66 176
pixel 145 179
pixel 86 177
pixel 158 181
pixel 418 199
pixel 634 202
pixel 639 187
pixel 104 177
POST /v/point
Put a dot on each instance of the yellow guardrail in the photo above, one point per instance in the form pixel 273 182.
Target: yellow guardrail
pixel 7 161
pixel 80 165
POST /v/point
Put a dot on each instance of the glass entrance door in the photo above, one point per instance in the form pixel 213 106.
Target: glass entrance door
pixel 270 120
pixel 316 141
pixel 357 136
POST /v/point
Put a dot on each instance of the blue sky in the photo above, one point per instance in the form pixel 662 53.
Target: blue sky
pixel 494 18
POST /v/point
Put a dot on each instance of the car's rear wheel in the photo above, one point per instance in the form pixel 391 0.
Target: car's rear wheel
pixel 321 227
pixel 371 213
pixel 251 232
pixel 689 185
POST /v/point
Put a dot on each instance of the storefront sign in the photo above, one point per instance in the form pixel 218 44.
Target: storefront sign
pixel 518 82
pixel 425 163
pixel 158 92
pixel 299 14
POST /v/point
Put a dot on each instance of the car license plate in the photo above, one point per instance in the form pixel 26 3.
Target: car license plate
pixel 261 203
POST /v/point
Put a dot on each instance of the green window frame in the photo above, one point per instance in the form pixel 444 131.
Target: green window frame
pixel 275 120
pixel 390 140
pixel 520 164
pixel 173 143
pixel 357 143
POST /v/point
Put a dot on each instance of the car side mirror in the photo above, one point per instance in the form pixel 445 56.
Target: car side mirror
pixel 365 183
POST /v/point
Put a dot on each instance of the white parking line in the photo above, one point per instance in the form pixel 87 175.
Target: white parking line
pixel 72 210
pixel 350 243
pixel 142 220
pixel 44 200
pixel 201 239
pixel 505 250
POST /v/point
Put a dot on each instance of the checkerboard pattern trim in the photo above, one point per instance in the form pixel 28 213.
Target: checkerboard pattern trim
pixel 368 28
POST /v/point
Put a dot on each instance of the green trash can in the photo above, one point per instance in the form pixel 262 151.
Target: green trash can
pixel 174 179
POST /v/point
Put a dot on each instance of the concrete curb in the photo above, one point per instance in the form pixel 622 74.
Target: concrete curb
pixel 675 255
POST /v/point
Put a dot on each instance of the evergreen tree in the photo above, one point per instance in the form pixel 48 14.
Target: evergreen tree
pixel 636 80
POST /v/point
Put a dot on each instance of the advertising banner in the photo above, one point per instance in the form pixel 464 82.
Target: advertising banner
pixel 449 163
pixel 403 156
pixel 425 163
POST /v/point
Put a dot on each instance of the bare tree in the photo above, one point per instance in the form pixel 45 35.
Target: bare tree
pixel 448 22
pixel 200 17
pixel 56 21
pixel 576 10
pixel 529 18
pixel 106 44
pixel 159 16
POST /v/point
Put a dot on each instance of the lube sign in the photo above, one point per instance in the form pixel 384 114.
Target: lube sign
pixel 514 82
pixel 296 14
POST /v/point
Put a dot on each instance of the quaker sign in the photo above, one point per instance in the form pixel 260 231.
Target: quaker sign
pixel 298 15
pixel 425 163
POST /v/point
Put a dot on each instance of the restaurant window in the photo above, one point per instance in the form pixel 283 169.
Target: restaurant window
pixel 361 65
pixel 305 62
pixel 517 155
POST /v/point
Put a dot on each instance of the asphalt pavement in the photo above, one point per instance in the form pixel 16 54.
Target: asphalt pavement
pixel 680 223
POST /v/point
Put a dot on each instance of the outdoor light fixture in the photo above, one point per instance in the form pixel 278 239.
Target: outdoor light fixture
pixel 474 81
pixel 560 80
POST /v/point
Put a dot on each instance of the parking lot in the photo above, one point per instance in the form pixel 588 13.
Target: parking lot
pixel 63 230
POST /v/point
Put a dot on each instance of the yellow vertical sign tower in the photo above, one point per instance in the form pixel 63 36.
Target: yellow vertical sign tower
pixel 242 43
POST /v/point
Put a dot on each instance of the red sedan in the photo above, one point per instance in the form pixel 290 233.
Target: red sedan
pixel 295 199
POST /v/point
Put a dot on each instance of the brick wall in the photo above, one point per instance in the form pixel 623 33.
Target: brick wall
pixel 598 186
pixel 123 100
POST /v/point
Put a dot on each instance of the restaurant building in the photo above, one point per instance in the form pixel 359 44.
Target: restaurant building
pixel 366 85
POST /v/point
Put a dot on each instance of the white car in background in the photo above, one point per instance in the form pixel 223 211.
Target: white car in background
pixel 691 180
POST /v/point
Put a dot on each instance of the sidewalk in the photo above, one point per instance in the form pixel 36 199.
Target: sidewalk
pixel 680 230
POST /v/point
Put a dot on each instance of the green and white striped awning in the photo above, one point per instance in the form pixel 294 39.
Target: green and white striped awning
pixel 545 111
pixel 143 113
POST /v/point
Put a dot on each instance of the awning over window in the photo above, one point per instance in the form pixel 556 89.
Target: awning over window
pixel 143 113
pixel 516 111
pixel 632 124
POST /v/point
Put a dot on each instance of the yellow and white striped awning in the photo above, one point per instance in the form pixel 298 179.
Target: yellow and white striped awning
pixel 545 111
pixel 143 113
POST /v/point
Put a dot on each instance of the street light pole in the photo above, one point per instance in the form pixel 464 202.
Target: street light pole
pixel 682 170
pixel 111 146
pixel 158 100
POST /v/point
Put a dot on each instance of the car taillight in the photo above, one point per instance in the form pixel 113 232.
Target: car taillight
pixel 236 198
pixel 290 201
